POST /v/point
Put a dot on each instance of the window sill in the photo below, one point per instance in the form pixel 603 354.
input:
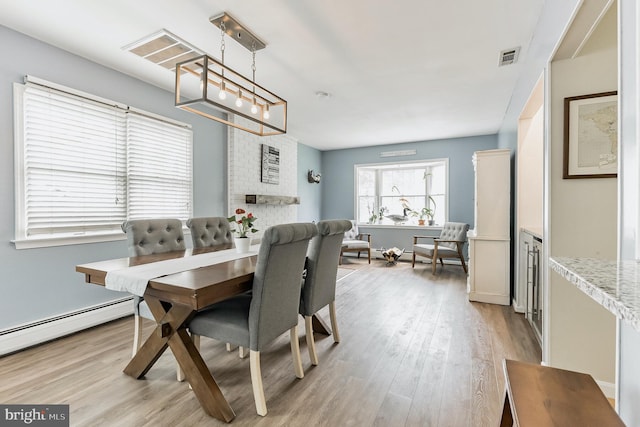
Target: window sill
pixel 45 242
pixel 401 226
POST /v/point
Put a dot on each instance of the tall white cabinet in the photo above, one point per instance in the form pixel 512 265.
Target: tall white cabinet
pixel 489 240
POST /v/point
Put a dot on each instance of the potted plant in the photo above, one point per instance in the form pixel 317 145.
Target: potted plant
pixel 421 214
pixel 426 212
pixel 243 226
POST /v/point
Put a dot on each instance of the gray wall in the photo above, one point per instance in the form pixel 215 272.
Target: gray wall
pixel 310 193
pixel 338 190
pixel 38 283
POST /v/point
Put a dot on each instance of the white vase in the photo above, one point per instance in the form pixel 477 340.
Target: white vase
pixel 242 244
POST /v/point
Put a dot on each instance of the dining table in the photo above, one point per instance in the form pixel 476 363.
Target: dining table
pixel 174 299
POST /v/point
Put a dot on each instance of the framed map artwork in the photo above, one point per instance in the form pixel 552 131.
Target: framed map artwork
pixel 270 164
pixel 591 136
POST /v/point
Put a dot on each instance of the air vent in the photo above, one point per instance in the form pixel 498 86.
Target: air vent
pixel 164 48
pixel 509 56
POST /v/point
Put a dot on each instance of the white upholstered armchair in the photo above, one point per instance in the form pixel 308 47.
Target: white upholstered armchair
pixel 448 245
pixel 354 241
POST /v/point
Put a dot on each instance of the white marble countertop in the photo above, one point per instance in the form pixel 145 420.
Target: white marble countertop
pixel 614 285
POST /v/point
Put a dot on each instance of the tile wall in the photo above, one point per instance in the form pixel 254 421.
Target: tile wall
pixel 244 152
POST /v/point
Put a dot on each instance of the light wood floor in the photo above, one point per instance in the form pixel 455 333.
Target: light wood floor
pixel 414 352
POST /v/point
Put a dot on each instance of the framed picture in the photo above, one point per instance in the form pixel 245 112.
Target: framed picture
pixel 591 136
pixel 270 164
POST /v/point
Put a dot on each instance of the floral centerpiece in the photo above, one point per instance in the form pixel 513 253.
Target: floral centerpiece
pixel 244 224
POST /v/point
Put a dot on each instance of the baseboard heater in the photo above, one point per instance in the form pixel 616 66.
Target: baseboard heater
pixel 33 333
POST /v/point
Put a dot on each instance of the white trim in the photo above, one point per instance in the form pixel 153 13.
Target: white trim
pixel 18 158
pixel 44 242
pixel 48 329
pixel 609 389
pixel 489 298
pixel 50 85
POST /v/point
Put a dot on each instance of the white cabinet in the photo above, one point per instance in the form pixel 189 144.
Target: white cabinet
pixel 489 240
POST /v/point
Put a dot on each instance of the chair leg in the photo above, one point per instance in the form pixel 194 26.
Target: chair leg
pixel 434 264
pixel 295 352
pixel 340 259
pixel 369 253
pixel 256 383
pixel 413 260
pixel 230 347
pixel 137 334
pixel 311 342
pixel 464 266
pixel 242 352
pixel 334 321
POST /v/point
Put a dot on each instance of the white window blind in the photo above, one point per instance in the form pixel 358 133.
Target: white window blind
pixel 84 166
pixel 74 157
pixel 159 169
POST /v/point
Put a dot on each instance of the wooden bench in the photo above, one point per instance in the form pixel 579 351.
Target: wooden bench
pixel 541 396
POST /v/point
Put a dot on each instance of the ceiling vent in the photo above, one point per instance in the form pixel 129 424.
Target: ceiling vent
pixel 164 48
pixel 509 56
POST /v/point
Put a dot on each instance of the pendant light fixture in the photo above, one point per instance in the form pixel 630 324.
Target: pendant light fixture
pixel 204 84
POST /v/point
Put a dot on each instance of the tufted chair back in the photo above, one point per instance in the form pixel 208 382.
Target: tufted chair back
pixel 453 231
pixel 322 266
pixel 153 236
pixel 209 231
pixel 352 233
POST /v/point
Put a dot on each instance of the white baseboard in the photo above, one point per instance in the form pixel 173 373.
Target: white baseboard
pixel 28 335
pixel 489 298
pixel 609 389
pixel 518 308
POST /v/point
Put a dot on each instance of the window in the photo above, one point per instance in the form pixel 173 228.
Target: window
pixel 84 165
pixel 389 189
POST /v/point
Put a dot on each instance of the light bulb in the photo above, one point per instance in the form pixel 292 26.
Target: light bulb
pixel 222 94
pixel 266 112
pixel 239 99
pixel 254 107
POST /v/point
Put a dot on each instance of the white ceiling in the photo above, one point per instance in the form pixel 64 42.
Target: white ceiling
pixel 409 70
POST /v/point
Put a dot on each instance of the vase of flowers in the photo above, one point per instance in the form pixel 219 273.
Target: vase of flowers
pixel 243 226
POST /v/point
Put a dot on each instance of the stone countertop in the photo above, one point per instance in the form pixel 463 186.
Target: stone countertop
pixel 614 285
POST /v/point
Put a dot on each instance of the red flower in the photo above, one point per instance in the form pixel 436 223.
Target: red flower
pixel 240 211
pixel 250 215
pixel 239 221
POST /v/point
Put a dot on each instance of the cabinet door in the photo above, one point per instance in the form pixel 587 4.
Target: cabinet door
pixel 492 193
pixel 523 273
pixel 489 277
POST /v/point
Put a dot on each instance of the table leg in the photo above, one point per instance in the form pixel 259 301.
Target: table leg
pixel 507 417
pixel 170 331
pixel 320 326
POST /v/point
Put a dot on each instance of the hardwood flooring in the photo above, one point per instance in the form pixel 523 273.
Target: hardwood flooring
pixel 414 352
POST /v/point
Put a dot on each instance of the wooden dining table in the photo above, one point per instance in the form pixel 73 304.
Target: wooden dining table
pixel 173 300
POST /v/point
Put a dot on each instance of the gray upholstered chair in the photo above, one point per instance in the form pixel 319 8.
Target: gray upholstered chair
pixel 449 245
pixel 319 289
pixel 354 241
pixel 148 237
pixel 253 321
pixel 209 231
